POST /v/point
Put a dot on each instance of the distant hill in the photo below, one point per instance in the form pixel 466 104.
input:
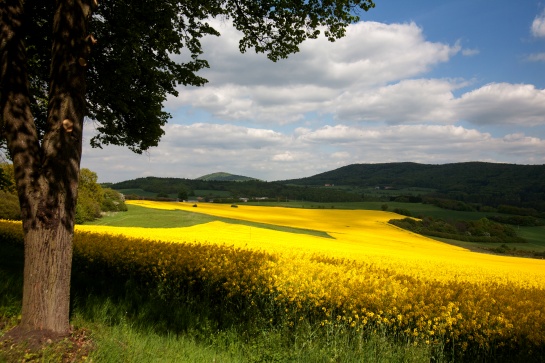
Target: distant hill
pixel 476 182
pixel 450 176
pixel 221 176
pixel 479 183
pixel 224 189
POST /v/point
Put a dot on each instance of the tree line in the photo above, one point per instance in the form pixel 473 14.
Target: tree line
pixel 482 230
pixel 238 189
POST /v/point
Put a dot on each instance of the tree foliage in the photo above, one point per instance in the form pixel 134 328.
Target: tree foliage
pixel 9 207
pixel 93 199
pixel 482 230
pixel 7 178
pixel 140 51
pixel 235 189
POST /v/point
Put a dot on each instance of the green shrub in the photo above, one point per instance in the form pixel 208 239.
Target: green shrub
pixel 483 230
pixel 403 211
pixel 9 208
pixel 112 201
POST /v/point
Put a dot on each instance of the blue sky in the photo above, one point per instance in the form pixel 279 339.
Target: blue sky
pixel 498 30
pixel 424 81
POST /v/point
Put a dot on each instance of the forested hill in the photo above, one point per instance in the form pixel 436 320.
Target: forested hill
pixel 472 181
pixel 447 176
pixel 222 176
pixel 222 189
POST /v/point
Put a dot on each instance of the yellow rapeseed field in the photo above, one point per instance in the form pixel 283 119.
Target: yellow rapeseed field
pixel 361 235
pixel 366 275
pixel 361 274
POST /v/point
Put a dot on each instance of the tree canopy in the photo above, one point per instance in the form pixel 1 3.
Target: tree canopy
pixel 130 63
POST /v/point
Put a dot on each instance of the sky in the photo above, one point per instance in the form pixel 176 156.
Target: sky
pixel 422 81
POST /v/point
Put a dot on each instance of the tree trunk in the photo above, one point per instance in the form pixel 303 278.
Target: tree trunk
pixel 46 175
pixel 46 293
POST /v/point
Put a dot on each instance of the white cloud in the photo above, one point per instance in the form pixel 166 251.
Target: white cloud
pixel 538 26
pixel 372 53
pixel 250 87
pixel 536 57
pixel 503 103
pixel 409 101
pixel 222 137
pixel 366 98
pixel 371 75
pixel 470 52
pixel 285 156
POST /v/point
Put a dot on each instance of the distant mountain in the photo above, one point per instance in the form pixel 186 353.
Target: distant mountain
pixel 477 182
pixel 221 176
pixel 468 175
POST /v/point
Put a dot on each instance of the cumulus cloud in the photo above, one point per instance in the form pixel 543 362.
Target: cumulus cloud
pixel 285 156
pixel 503 103
pixel 536 57
pixel 371 52
pixel 538 26
pixel 371 75
pixel 250 87
pixel 409 101
pixel 215 136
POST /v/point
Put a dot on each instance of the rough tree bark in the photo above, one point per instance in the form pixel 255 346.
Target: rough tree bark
pixel 46 171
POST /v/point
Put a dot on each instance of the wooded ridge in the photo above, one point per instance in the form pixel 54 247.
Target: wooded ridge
pixel 472 182
pixel 482 183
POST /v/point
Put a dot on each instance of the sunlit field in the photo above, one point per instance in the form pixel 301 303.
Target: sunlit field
pixel 332 273
pixel 360 235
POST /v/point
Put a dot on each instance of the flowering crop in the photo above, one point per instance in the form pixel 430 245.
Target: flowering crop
pixel 369 275
pixel 361 235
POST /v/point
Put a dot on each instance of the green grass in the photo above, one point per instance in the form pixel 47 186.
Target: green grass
pixel 534 235
pixel 137 216
pixel 123 322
